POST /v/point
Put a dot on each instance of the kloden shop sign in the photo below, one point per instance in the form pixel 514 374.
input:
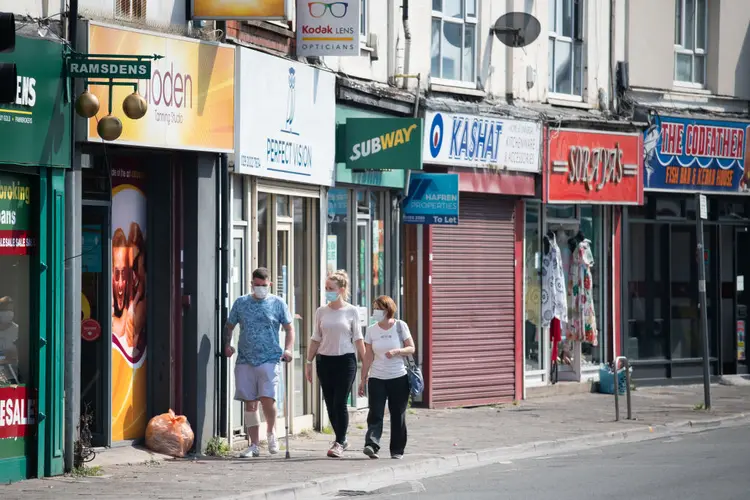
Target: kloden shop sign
pixel 594 167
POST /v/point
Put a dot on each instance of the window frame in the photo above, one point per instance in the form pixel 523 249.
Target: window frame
pixel 133 5
pixel 679 48
pixel 578 38
pixel 364 21
pixel 463 21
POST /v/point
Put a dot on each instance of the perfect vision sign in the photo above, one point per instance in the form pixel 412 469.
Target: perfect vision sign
pixel 287 119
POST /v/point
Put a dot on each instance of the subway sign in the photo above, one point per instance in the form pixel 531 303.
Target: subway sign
pixel 383 143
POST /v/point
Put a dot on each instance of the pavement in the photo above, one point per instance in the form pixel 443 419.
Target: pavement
pixel 709 464
pixel 440 441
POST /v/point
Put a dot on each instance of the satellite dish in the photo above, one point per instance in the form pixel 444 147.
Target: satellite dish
pixel 517 29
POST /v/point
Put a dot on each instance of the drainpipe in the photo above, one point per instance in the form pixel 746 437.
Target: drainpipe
pixel 612 57
pixel 72 377
pixel 390 37
pixel 407 44
pixel 223 297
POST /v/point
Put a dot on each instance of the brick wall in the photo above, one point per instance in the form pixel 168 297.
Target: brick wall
pixel 263 34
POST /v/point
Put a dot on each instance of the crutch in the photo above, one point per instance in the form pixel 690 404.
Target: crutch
pixel 286 406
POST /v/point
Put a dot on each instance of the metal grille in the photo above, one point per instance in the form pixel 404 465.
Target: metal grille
pixel 473 305
pixel 130 9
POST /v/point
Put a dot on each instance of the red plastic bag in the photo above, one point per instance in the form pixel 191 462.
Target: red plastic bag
pixel 169 434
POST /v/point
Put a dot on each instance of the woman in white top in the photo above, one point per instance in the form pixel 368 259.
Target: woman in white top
pixel 386 344
pixel 336 337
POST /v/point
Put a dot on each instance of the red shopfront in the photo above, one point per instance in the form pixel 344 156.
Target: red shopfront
pixel 588 175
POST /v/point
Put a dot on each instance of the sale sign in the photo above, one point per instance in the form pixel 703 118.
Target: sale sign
pixel 594 167
pixel 17 412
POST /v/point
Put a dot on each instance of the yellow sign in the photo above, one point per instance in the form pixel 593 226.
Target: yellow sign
pixel 239 9
pixel 190 94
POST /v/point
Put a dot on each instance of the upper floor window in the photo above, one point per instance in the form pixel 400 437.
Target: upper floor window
pixel 566 47
pixel 454 34
pixel 130 9
pixel 690 41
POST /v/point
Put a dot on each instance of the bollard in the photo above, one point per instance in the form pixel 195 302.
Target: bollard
pixel 626 363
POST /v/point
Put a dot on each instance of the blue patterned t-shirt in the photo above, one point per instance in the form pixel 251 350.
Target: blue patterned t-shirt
pixel 259 322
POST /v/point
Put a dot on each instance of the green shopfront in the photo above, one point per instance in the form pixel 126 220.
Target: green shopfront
pixel 363 231
pixel 34 151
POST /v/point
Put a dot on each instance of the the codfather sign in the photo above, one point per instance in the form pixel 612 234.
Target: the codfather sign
pixel 383 143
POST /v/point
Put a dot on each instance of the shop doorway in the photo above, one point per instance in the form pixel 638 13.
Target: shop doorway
pixel 742 250
pixel 96 303
pixel 284 226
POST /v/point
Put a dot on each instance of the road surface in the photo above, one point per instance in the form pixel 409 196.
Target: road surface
pixel 712 464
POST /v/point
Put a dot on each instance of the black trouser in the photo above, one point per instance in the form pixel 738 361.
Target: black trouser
pixel 396 391
pixel 337 374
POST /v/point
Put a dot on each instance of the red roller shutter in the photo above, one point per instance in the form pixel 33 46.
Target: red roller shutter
pixel 473 304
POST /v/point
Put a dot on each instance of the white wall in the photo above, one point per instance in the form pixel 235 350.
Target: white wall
pixel 493 56
pixel 33 8
pixel 158 12
pixel 363 66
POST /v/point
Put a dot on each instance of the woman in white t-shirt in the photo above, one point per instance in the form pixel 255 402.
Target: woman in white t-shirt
pixel 336 337
pixel 384 372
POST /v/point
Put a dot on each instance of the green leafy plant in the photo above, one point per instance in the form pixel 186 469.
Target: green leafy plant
pixel 327 430
pixel 217 447
pixel 86 471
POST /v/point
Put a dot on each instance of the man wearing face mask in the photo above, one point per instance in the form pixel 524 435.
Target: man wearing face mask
pixel 8 340
pixel 260 316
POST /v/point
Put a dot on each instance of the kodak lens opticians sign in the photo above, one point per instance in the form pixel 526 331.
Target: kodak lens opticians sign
pixel 383 143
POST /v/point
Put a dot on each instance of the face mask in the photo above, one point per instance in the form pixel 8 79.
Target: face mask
pixel 6 316
pixel 332 296
pixel 378 315
pixel 260 292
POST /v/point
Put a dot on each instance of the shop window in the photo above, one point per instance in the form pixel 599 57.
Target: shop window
pixel 453 51
pixel 264 223
pixel 571 224
pixel 533 332
pixel 17 240
pixel 684 318
pixel 669 208
pixel 15 324
pixel 282 206
pixel 690 34
pixel 646 333
pixel 377 218
pixel 732 210
pixel 337 245
pixel 566 47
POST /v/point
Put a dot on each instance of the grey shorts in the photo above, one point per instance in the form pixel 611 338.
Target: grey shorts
pixel 254 382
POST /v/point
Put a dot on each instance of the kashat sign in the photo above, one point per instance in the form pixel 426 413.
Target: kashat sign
pixel 482 142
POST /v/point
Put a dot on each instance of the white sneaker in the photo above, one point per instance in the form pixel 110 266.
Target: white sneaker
pixel 273 444
pixel 252 451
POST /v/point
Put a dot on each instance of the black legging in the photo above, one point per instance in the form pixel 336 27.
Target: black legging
pixel 337 374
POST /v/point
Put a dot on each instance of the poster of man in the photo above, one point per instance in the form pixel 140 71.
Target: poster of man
pixel 129 304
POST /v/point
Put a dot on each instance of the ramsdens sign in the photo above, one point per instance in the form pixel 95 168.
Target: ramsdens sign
pixel 383 143
pixel 110 68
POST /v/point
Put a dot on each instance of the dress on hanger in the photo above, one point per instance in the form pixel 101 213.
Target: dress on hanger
pixel 582 318
pixel 554 301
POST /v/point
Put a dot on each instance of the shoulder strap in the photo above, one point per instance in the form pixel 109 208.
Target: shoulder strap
pixel 408 360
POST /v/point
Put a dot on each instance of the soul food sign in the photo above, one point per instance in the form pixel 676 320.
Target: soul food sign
pixel 594 167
